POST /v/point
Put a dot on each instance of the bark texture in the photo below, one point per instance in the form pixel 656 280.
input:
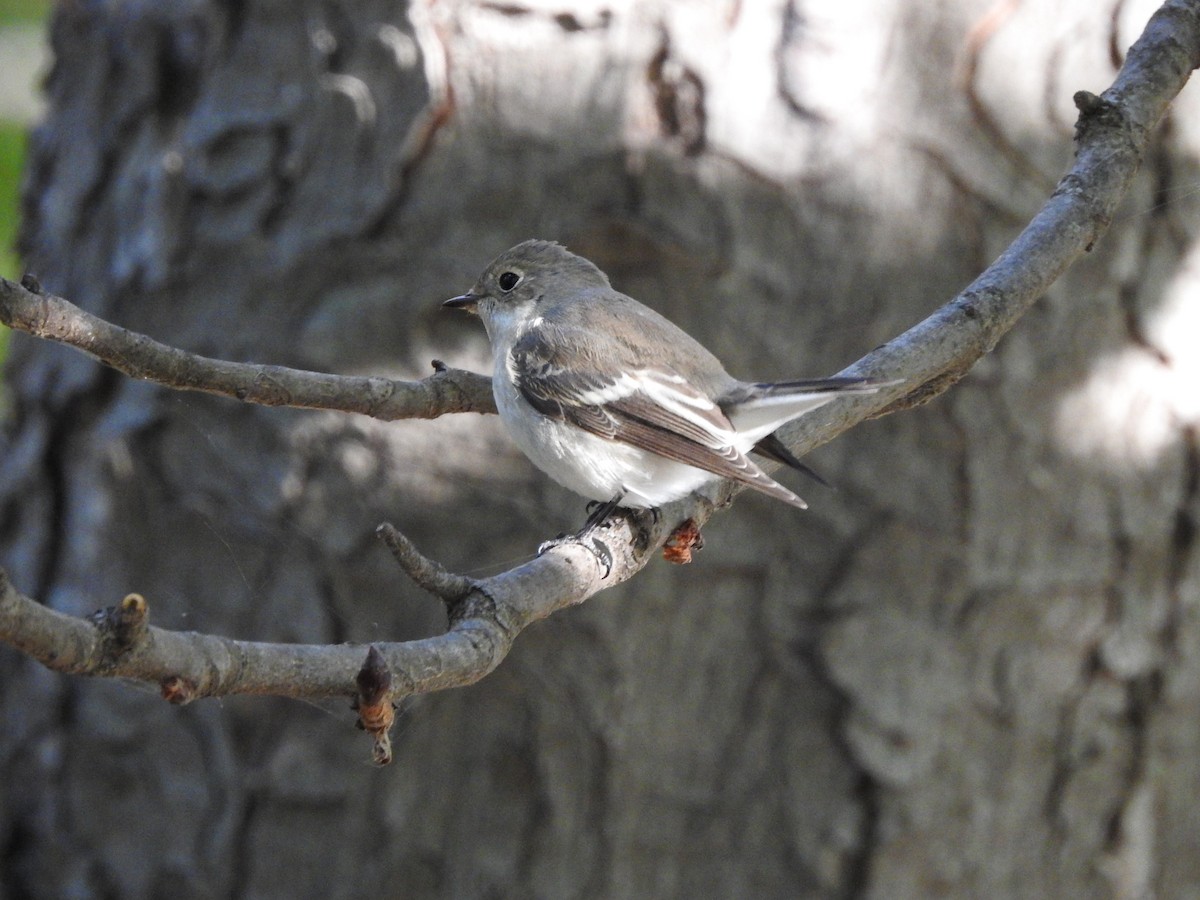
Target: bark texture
pixel 972 671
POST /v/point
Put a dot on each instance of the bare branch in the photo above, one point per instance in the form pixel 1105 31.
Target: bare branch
pixel 487 615
pixel 427 573
pixel 53 318
pixel 188 665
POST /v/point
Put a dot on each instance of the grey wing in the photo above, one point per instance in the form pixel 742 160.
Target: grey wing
pixel 649 408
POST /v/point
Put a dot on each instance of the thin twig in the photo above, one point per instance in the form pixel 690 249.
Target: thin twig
pixel 425 572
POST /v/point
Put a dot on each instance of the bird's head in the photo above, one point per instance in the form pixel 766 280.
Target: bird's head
pixel 521 282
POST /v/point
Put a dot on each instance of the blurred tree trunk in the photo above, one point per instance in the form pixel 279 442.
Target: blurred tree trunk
pixel 972 671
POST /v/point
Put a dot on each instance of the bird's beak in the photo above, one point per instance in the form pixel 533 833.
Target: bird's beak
pixel 466 301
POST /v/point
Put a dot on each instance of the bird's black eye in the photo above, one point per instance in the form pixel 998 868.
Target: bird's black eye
pixel 509 280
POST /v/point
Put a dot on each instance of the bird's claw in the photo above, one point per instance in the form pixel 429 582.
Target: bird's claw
pixel 546 546
pixel 603 555
pixel 597 547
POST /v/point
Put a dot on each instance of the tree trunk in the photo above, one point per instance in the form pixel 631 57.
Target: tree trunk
pixel 973 670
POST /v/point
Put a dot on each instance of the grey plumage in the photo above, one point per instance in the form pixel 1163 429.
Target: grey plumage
pixel 612 399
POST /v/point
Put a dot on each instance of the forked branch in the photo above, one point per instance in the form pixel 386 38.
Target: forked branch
pixel 486 615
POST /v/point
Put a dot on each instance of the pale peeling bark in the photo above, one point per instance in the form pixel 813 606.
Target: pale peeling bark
pixel 973 670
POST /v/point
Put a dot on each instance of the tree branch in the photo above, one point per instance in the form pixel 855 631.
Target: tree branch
pixel 1111 136
pixel 486 616
pixel 26 308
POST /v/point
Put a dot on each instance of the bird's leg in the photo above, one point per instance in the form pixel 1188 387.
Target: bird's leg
pixel 598 511
pixel 595 519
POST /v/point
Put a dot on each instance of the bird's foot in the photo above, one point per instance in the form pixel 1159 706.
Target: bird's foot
pixel 584 538
pixel 599 510
pixel 598 513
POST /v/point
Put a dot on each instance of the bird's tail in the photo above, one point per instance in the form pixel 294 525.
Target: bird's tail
pixel 765 407
pixel 773 448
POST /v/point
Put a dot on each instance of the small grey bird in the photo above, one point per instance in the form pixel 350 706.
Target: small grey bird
pixel 615 402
